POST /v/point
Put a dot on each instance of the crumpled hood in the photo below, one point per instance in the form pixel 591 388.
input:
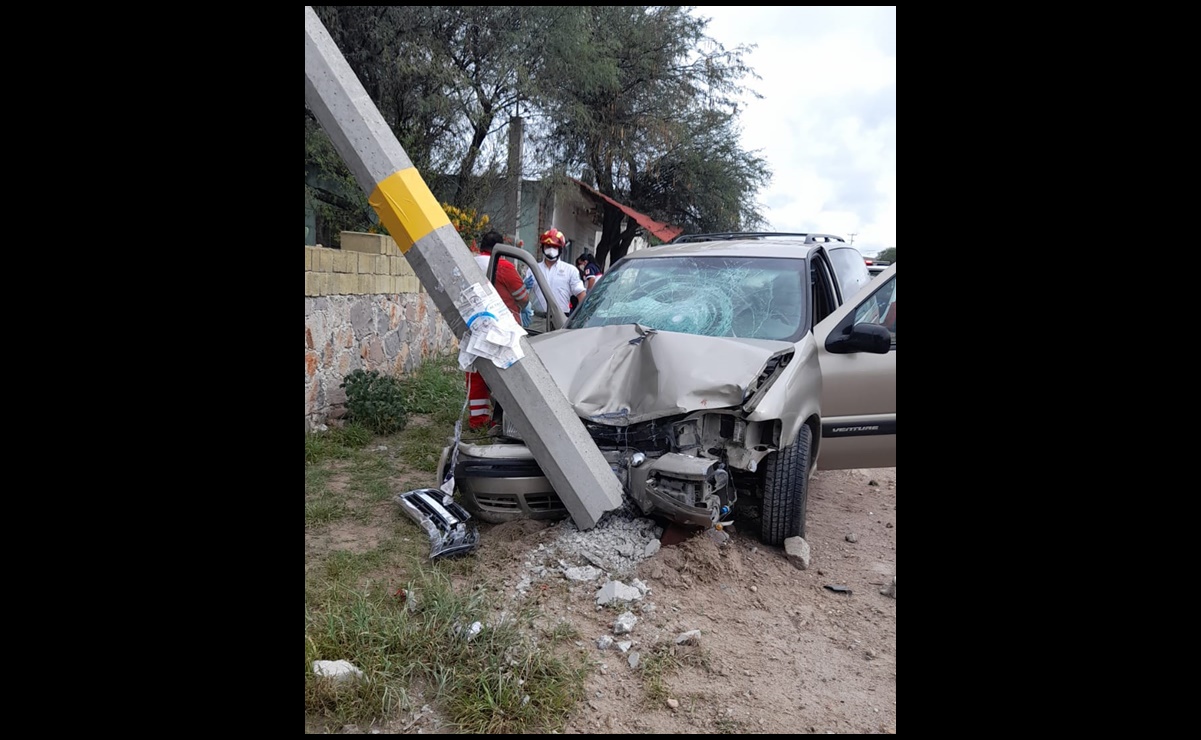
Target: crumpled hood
pixel 628 374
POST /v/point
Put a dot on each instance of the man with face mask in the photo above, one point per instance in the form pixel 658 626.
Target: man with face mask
pixel 562 277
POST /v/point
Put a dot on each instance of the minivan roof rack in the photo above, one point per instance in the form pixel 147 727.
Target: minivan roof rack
pixel 722 236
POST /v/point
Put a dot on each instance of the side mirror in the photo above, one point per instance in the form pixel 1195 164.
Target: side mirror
pixel 861 338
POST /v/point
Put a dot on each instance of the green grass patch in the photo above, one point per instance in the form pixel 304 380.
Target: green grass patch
pixel 365 476
pixel 437 389
pixel 728 726
pixel 316 480
pixel 499 681
pixel 335 444
pixel 664 660
pixel 656 665
pixel 344 567
pixel 421 446
pixel 370 473
pixel 562 632
pixel 324 508
pixel 384 565
pixel 510 678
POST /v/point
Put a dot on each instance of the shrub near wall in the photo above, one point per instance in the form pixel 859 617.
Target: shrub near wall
pixel 363 308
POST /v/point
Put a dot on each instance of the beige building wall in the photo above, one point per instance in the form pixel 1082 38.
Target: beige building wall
pixel 364 307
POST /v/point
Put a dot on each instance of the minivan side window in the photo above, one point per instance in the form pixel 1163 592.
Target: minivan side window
pixel 851 269
pixel 880 308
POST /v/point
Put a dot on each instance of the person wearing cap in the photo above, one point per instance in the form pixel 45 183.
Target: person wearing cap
pixel 562 277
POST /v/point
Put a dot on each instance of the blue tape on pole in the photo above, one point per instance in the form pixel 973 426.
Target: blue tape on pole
pixel 481 314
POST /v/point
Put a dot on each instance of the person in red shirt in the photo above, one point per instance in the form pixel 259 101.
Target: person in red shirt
pixel 513 292
pixel 507 281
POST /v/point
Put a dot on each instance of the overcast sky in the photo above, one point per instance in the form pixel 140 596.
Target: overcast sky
pixel 827 122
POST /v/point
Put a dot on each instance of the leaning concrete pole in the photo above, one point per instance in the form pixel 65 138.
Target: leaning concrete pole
pixel 568 456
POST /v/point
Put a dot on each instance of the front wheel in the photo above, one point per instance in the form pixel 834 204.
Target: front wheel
pixel 786 491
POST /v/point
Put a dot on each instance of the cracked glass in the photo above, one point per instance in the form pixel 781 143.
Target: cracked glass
pixel 745 297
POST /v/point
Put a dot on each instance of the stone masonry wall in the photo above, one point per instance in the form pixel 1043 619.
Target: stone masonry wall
pixel 363 308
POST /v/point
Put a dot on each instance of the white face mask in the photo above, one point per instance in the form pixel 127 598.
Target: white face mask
pixel 551 253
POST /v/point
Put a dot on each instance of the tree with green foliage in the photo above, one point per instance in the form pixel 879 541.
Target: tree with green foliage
pixel 649 109
pixel 888 255
pixel 330 188
pixel 634 100
pixel 446 79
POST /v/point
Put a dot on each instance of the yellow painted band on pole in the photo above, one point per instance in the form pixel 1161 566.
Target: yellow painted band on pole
pixel 406 206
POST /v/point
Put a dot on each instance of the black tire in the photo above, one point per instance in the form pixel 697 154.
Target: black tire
pixel 786 491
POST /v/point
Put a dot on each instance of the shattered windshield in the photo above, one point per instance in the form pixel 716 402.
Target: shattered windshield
pixel 755 297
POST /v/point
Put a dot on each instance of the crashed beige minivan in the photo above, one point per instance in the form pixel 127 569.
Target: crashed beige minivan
pixel 712 371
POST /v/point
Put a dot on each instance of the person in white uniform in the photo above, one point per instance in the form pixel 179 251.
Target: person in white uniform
pixel 562 277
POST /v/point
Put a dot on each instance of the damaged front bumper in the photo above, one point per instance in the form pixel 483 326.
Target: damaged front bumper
pixel 686 489
pixel 503 482
pixel 443 520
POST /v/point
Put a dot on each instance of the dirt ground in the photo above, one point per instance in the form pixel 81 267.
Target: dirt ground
pixel 778 651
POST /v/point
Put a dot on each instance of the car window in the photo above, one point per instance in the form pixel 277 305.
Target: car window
pixel 851 270
pixel 880 308
pixel 756 297
pixel 823 290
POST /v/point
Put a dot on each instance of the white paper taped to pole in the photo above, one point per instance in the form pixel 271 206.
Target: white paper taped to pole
pixel 492 332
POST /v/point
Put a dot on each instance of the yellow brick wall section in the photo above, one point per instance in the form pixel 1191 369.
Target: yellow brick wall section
pixel 398 265
pixel 371 265
pixel 347 262
pixel 323 260
pixel 357 241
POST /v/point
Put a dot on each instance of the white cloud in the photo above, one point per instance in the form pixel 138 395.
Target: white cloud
pixel 826 124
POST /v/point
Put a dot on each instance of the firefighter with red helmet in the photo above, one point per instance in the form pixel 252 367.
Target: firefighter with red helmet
pixel 561 276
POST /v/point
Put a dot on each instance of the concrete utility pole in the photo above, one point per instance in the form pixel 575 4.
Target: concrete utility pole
pixel 513 195
pixel 447 269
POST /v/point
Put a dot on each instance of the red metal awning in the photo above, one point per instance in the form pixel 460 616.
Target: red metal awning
pixel 665 232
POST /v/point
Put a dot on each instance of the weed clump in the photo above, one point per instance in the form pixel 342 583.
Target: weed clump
pixel 376 401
